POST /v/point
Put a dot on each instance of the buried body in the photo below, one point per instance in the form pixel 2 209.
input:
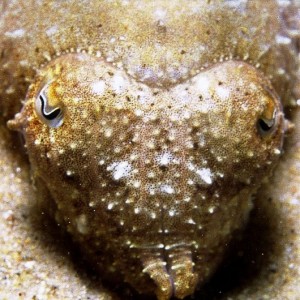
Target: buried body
pixel 151 136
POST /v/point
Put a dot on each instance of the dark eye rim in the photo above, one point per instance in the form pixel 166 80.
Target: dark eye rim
pixel 49 115
pixel 52 116
pixel 266 125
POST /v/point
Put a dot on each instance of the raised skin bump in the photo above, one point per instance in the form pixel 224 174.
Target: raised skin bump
pixel 161 147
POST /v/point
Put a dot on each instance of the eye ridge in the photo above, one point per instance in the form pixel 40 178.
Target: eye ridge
pixel 49 115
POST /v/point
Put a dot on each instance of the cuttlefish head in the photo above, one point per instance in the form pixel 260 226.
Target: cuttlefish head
pixel 161 175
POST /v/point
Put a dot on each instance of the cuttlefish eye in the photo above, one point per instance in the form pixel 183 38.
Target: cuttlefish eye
pixel 49 113
pixel 268 120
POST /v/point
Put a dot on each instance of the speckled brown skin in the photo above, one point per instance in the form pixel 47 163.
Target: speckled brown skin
pixel 159 152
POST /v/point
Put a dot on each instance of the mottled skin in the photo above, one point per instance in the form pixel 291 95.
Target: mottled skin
pixel 150 132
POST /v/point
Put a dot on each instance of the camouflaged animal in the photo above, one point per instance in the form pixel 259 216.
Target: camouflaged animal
pixel 150 125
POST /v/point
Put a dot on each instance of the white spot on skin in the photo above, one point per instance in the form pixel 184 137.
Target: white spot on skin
pixel 151 190
pixel 191 221
pixel 283 40
pixel 120 169
pixel 204 173
pixel 211 210
pixel 138 112
pixel 81 223
pixel 51 31
pixel 29 264
pixel 277 151
pixel 119 83
pixel 238 4
pixel 202 141
pixel 73 146
pixel 136 184
pixel 69 173
pixel 16 33
pixel 172 213
pixel 108 132
pixel 160 14
pixel 10 90
pixel 164 159
pixel 110 206
pixel 222 92
pixel 153 215
pixel 165 188
pixel 202 84
pixel 112 40
pixel 98 87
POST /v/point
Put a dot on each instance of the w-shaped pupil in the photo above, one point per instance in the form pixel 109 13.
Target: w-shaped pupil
pixel 51 114
pixel 265 126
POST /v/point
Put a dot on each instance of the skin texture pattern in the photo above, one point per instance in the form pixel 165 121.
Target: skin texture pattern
pixel 149 135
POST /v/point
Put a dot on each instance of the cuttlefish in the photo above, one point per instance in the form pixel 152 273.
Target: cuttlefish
pixel 149 126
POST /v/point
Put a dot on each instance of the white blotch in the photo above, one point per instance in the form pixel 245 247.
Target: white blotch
pixel 108 132
pixel 160 14
pixel 222 92
pixel 52 30
pixel 110 206
pixel 211 209
pixel 277 151
pixel 16 33
pixel 202 84
pixel 187 199
pixel 202 141
pixel 119 83
pixel 283 40
pixel 37 142
pixel 143 97
pixel 138 112
pixel 237 4
pixel 120 169
pixel 153 215
pixel 136 184
pixel 151 189
pixel 191 221
pixel 98 87
pixel 10 90
pixel 190 182
pixel 168 189
pixel 81 223
pixel 69 173
pixel 204 173
pixel 29 264
pixel 171 213
pixel 294 201
pixel 73 146
pixel 245 107
pixel 164 159
pixel 8 215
